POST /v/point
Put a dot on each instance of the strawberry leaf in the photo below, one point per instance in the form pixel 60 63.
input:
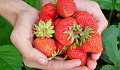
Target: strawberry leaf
pixel 105 4
pixel 34 3
pixel 117 5
pixel 10 58
pixel 119 30
pixel 5 31
pixel 107 34
pixel 105 57
pixel 112 51
pixel 108 67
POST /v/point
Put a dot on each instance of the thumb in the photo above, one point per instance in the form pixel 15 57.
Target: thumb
pixel 35 55
pixel 26 49
pixel 22 37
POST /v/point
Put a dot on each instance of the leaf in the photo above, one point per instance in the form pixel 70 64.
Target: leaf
pixel 107 34
pixel 105 4
pixel 117 5
pixel 27 68
pixel 112 51
pixel 105 57
pixel 119 30
pixel 27 1
pixel 108 67
pixel 5 31
pixel 10 58
pixel 98 67
pixel 34 3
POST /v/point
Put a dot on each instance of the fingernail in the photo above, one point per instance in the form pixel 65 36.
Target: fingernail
pixel 41 61
pixel 78 63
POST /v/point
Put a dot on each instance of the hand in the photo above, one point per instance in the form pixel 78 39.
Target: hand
pixel 92 8
pixel 22 17
pixel 22 37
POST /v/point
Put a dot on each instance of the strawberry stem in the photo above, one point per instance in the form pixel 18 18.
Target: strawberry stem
pixel 59 58
pixel 54 55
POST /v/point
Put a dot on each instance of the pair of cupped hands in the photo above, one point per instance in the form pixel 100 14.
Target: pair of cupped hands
pixel 22 17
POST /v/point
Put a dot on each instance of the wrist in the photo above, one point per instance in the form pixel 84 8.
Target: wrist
pixel 10 9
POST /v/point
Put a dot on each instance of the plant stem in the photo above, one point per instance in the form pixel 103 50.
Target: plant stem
pixel 111 12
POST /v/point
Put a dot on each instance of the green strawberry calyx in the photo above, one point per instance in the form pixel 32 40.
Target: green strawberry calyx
pixel 74 32
pixel 44 30
pixel 54 3
pixel 85 34
pixel 65 48
pixel 73 46
pixel 77 34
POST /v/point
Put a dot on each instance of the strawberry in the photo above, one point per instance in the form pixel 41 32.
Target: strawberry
pixel 85 19
pixel 57 21
pixel 67 31
pixel 60 47
pixel 45 19
pixel 46 46
pixel 74 52
pixel 66 8
pixel 44 27
pixel 63 26
pixel 49 10
pixel 93 43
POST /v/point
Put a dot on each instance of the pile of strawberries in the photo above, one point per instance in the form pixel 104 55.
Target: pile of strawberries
pixel 61 31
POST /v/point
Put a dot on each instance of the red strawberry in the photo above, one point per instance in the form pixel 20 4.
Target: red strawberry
pixel 74 52
pixel 57 21
pixel 66 8
pixel 63 26
pixel 46 46
pixel 60 47
pixel 44 27
pixel 85 19
pixel 49 10
pixel 45 19
pixel 93 44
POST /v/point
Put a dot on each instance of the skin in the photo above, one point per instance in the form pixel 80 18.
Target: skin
pixel 22 17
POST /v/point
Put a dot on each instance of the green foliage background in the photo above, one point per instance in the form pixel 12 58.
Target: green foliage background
pixel 10 57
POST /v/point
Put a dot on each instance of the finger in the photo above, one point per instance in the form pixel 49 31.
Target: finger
pixel 23 33
pixel 68 64
pixel 95 56
pixel 30 53
pixel 91 64
pixel 33 64
pixel 93 8
pixel 81 68
pixel 53 64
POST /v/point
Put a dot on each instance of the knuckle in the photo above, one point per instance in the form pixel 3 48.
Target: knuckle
pixel 15 34
pixel 106 23
pixel 28 56
pixel 12 36
pixel 94 5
